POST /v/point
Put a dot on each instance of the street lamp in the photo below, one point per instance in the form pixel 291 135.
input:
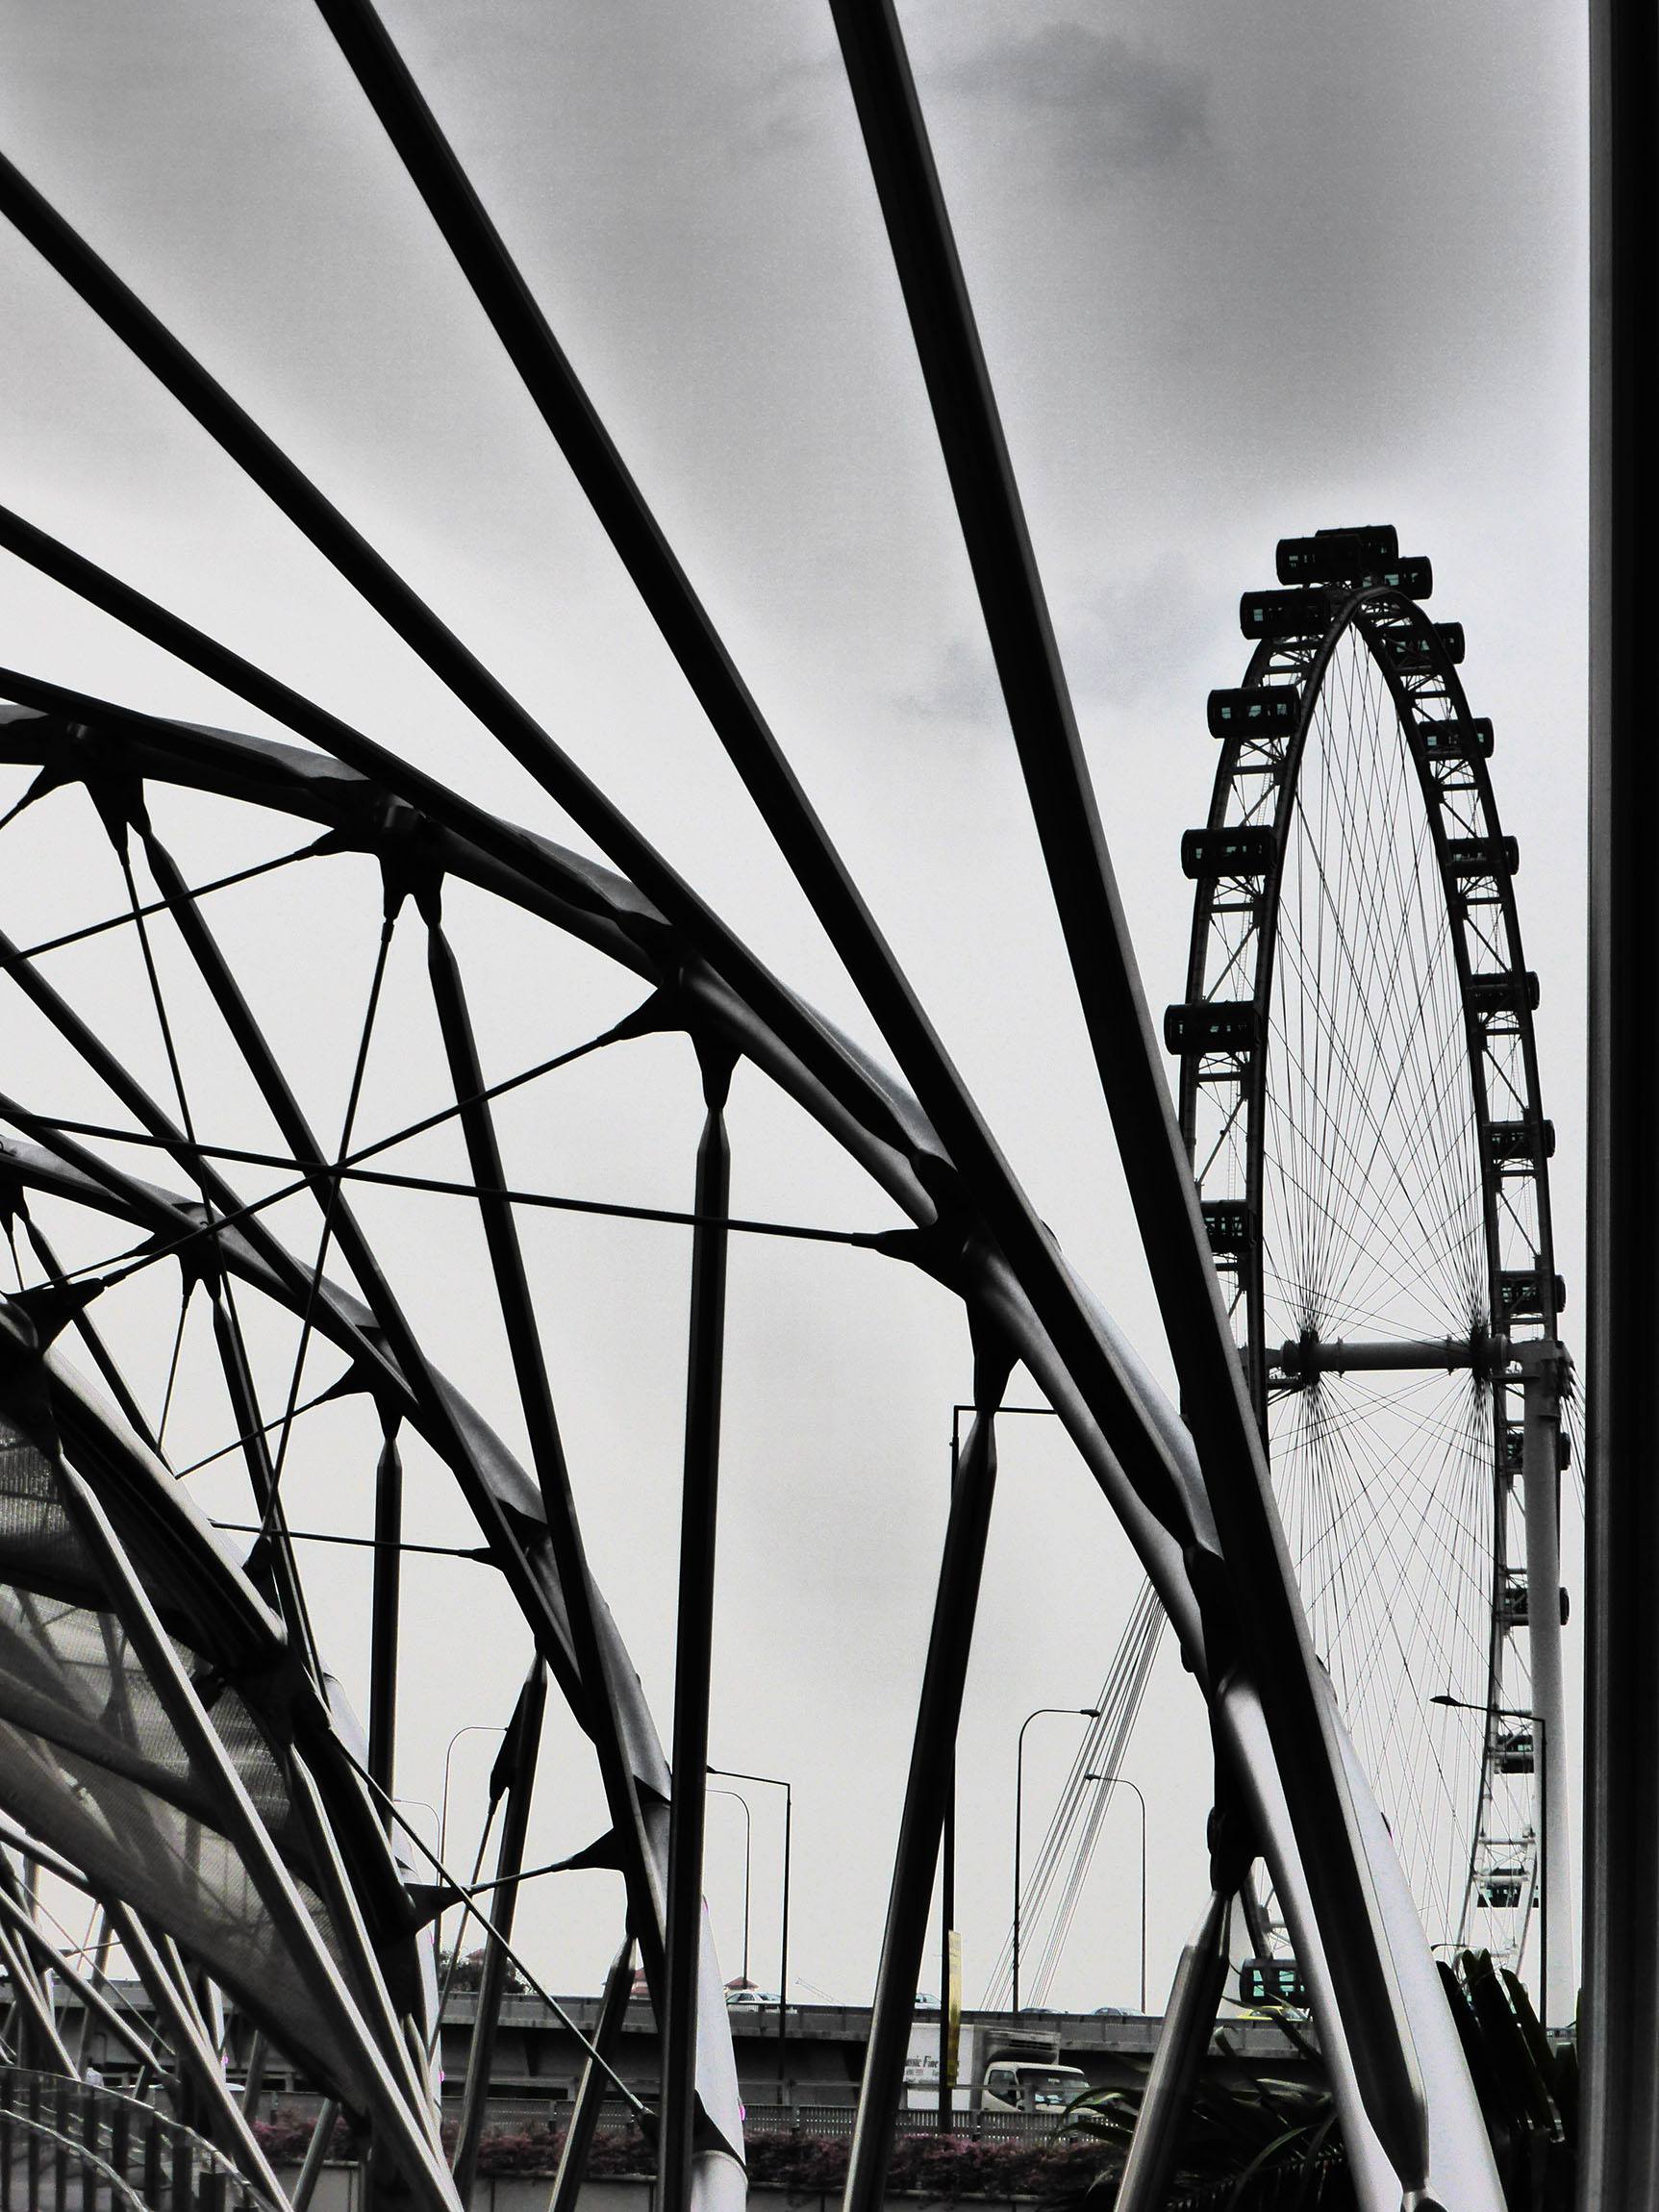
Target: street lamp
pixel 472 1728
pixel 775 1782
pixel 1123 1782
pixel 949 1961
pixel 738 1798
pixel 1083 1712
pixel 1514 1713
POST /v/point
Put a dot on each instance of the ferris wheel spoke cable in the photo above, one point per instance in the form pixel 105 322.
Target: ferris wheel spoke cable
pixel 1335 1132
pixel 1096 1810
pixel 1119 1704
pixel 1361 1228
pixel 1444 1236
pixel 1357 1099
pixel 1393 1503
pixel 1376 1718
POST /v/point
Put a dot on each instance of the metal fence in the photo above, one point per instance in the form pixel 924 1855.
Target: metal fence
pixel 836 2122
pixel 831 2121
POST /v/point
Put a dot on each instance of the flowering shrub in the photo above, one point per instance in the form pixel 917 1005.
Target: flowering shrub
pixel 805 2165
pixel 285 2138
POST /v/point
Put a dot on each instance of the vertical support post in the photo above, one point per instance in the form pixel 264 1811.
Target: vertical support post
pixel 178 2025
pixel 1542 1366
pixel 783 1945
pixel 947 1954
pixel 523 1744
pixel 1618 2157
pixel 591 2090
pixel 694 1631
pixel 315 2156
pixel 1165 2102
pixel 916 1858
pixel 1019 1826
pixel 81 2041
pixel 383 1618
pixel 254 2076
pixel 34 2146
pixel 261 1474
pixel 38 2042
pixel 947 1946
pixel 541 1423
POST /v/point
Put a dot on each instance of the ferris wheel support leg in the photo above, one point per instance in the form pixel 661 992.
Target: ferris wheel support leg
pixel 1542 1366
pixel 1461 2174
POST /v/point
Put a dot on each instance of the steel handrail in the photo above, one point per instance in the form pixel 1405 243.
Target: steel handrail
pixel 74 2098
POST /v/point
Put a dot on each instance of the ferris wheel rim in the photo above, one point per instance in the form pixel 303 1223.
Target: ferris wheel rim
pixel 1370 611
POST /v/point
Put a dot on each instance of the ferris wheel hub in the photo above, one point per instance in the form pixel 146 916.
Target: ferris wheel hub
pixel 1308 1355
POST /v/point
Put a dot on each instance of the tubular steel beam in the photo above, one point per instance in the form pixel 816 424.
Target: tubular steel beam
pixel 1158 1174
pixel 799 835
pixel 1619 2160
pixel 921 1823
pixel 241 1823
pixel 524 1741
pixel 192 2051
pixel 383 1606
pixel 591 2089
pixel 92 1999
pixel 409 1370
pixel 733 713
pixel 694 1638
pixel 546 1445
pixel 38 2042
pixel 261 1475
pixel 315 2154
pixel 1166 2102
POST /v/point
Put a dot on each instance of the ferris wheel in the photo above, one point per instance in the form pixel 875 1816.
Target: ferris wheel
pixel 1359 1093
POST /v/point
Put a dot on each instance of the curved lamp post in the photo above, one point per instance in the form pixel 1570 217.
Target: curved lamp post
pixel 775 1782
pixel 738 1798
pixel 1083 1712
pixel 1123 1782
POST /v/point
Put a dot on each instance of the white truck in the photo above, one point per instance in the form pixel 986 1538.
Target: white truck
pixel 998 2070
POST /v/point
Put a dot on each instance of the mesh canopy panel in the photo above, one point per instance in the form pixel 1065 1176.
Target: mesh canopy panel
pixel 38 1545
pixel 183 1873
pixel 91 1763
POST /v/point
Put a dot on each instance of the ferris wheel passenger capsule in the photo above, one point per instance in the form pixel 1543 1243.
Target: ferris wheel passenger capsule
pixel 1212 1025
pixel 1334 555
pixel 1508 991
pixel 1413 654
pixel 1284 614
pixel 1240 849
pixel 1482 856
pixel 1254 711
pixel 1467 739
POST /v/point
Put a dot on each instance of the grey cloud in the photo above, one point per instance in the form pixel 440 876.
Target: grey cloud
pixel 1119 107
pixel 1118 641
pixel 791 105
pixel 1131 634
pixel 963 688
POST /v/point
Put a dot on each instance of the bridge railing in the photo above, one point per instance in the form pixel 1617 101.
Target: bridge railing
pixel 75 2147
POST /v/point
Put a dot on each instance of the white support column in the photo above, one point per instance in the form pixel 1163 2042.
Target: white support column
pixel 1544 1368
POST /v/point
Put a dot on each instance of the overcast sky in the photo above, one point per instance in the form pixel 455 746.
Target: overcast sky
pixel 1240 272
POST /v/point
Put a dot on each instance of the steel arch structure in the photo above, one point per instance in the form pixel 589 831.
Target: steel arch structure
pixel 297 1805
pixel 1359 1088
